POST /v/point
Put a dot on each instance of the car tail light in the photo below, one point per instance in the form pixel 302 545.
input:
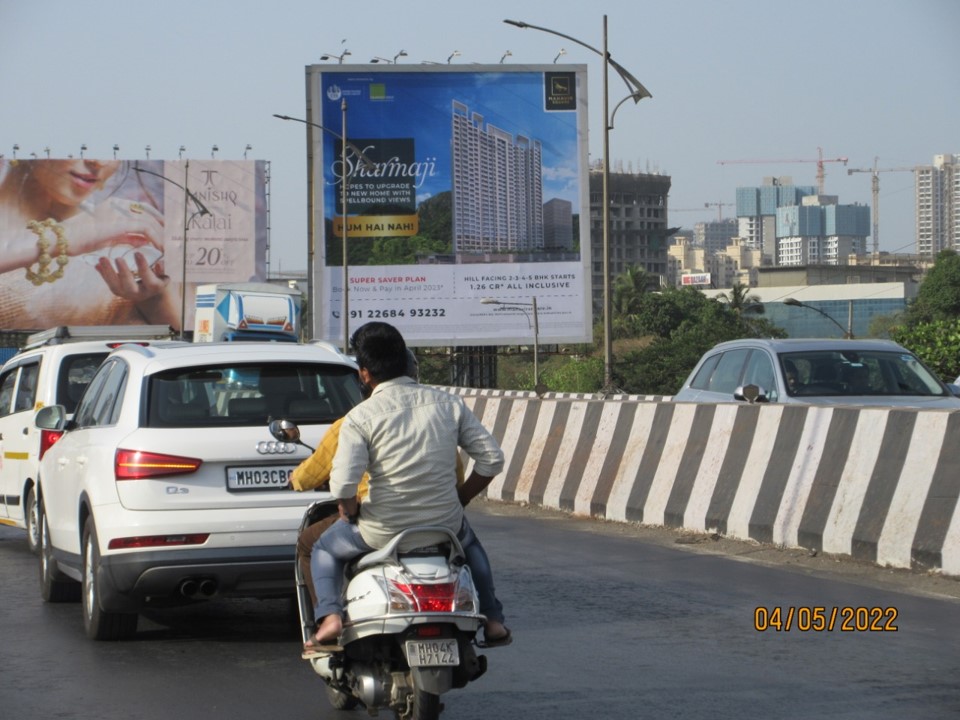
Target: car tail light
pixel 155 541
pixel 139 465
pixel 47 440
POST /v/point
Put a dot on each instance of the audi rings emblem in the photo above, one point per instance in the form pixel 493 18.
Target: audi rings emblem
pixel 272 447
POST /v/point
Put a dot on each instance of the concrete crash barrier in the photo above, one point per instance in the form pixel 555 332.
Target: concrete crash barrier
pixel 877 484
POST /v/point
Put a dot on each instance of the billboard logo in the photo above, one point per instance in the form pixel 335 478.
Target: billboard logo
pixel 561 93
pixel 333 92
pixel 378 91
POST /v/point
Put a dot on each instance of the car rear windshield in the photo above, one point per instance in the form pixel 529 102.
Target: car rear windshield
pixel 857 373
pixel 250 394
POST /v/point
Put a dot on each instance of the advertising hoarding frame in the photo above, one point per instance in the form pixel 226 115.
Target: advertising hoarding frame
pixel 419 125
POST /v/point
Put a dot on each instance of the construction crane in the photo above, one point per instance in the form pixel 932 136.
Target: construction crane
pixel 719 206
pixel 875 188
pixel 819 161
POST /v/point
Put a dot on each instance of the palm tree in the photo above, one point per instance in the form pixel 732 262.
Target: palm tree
pixel 741 300
pixel 628 289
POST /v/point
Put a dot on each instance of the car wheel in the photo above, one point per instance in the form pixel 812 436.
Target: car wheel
pixel 100 624
pixel 55 587
pixel 32 522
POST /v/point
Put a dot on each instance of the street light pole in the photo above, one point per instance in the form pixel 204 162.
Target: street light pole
pixel 847 331
pixel 344 144
pixel 201 211
pixel 343 226
pixel 536 330
pixel 637 93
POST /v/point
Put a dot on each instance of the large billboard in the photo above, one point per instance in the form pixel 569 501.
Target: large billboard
pixel 465 193
pixel 100 242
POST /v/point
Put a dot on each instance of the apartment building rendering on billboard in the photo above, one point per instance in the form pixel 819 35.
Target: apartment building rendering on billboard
pixel 938 205
pixel 497 187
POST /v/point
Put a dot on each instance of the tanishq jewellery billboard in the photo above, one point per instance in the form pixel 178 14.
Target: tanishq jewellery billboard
pixel 101 242
pixel 460 186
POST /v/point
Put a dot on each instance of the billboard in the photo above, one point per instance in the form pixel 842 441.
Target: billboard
pixel 459 198
pixel 101 242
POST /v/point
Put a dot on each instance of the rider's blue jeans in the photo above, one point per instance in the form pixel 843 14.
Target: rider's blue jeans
pixel 342 542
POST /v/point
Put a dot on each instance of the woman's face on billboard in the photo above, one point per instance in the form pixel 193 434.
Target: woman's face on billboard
pixel 70 182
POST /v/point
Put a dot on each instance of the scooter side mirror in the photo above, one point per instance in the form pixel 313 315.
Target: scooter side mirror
pixel 285 430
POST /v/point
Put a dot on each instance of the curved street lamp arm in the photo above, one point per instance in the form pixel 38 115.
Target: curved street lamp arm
pixel 367 162
pixel 636 88
pixel 201 208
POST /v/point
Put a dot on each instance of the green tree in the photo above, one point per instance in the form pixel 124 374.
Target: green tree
pixel 739 299
pixel 936 343
pixel 939 295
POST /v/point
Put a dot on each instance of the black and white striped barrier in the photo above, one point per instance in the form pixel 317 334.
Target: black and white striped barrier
pixel 877 484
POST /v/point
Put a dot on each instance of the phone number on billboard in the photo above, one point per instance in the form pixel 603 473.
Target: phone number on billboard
pixel 394 313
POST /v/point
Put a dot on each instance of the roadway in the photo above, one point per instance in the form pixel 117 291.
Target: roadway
pixel 609 620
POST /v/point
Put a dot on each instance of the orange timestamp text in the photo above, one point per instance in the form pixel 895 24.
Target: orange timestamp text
pixel 825 619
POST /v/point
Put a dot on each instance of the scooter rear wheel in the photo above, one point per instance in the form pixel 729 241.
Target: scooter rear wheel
pixel 341 700
pixel 426 706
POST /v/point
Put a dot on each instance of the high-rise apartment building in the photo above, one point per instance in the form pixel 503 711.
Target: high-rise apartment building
pixel 757 212
pixel 638 226
pixel 497 187
pixel 715 235
pixel 938 205
pixel 820 231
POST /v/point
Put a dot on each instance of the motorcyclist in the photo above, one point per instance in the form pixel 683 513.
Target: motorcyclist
pixel 397 442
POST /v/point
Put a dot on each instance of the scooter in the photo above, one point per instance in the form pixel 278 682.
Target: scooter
pixel 411 616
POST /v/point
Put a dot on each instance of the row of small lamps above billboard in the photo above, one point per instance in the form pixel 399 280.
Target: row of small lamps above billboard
pixel 116 148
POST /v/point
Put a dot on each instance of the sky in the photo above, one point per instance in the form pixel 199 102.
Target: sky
pixel 764 81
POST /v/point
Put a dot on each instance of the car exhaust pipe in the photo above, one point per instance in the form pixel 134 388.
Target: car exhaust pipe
pixel 208 587
pixel 189 588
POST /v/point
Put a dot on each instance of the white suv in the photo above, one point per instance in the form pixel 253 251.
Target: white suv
pixel 166 486
pixel 53 369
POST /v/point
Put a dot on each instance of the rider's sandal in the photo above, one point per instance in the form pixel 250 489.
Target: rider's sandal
pixel 501 641
pixel 312 648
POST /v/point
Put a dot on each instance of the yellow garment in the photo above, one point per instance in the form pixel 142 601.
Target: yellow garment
pixel 315 470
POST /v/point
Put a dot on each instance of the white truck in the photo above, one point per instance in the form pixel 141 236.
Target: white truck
pixel 247 311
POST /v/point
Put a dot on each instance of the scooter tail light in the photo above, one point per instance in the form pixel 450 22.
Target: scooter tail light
pixel 427 597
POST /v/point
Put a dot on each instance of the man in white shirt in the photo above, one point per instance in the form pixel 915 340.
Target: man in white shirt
pixel 405 437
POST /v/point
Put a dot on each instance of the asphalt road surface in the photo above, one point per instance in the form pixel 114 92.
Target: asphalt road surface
pixel 609 620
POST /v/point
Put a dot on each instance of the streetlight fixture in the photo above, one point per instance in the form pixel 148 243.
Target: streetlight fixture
pixel 378 59
pixel 536 331
pixel 147 148
pixel 247 149
pixel 201 211
pixel 340 57
pixel 563 51
pixel 183 149
pixel 15 148
pixel 636 93
pixel 505 56
pixel 847 331
pixel 344 144
pixel 213 152
pixel 402 53
pixel 83 149
pixel 455 53
pixel 47 151
pixel 116 149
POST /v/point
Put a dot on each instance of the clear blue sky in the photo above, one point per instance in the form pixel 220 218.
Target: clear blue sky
pixel 741 79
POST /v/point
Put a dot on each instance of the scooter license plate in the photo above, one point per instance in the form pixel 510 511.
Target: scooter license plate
pixel 433 653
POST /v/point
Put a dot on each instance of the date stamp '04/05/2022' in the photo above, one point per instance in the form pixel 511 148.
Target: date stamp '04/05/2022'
pixel 825 619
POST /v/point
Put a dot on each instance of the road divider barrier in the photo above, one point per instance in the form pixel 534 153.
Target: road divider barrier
pixel 877 484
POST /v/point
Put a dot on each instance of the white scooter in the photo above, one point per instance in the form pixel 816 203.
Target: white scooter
pixel 411 619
